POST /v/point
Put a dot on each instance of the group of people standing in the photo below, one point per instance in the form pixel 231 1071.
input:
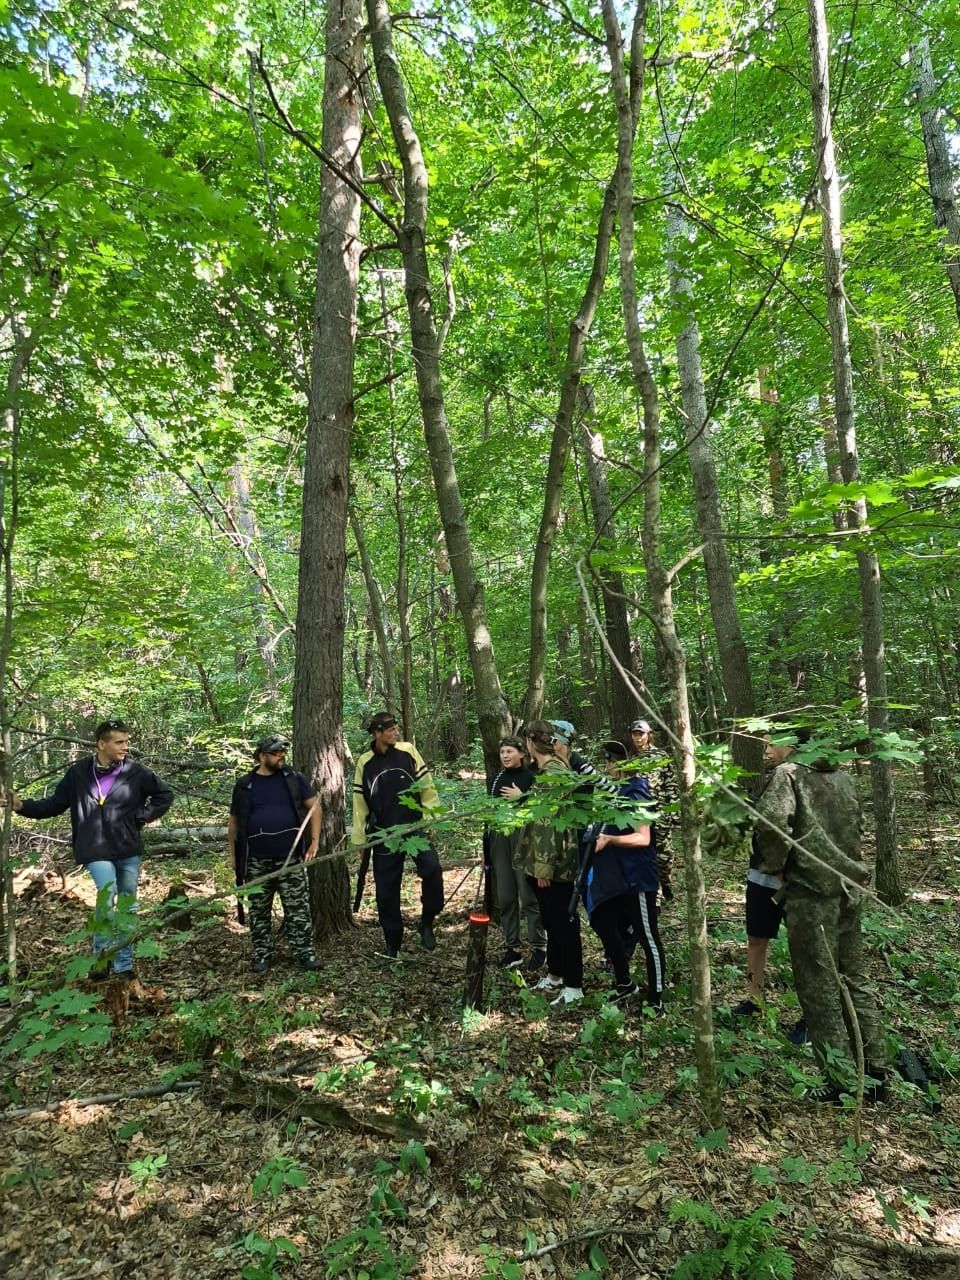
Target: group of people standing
pixel 806 866
pixel 542 871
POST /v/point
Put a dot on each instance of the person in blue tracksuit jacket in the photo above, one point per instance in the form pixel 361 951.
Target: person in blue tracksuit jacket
pixel 621 883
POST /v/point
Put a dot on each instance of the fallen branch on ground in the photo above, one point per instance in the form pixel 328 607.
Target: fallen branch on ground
pixel 100 1099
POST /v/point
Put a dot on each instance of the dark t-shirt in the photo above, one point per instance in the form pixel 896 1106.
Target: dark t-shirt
pixel 273 821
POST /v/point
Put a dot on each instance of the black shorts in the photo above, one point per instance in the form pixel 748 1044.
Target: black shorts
pixel 764 916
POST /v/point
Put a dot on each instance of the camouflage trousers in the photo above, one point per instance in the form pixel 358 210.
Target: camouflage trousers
pixel 825 939
pixel 295 899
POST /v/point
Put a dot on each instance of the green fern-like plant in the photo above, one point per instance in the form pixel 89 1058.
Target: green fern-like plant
pixel 743 1247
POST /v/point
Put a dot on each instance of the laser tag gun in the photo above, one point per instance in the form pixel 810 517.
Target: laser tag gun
pixel 588 843
pixel 487 876
pixel 361 877
pixel 240 879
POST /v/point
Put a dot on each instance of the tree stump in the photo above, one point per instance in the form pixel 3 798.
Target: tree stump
pixel 479 923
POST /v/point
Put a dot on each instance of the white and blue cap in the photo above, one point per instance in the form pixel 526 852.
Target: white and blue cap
pixel 565 730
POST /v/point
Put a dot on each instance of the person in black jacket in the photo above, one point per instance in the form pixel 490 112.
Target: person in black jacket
pixel 110 798
pixel 392 787
pixel 267 813
pixel 514 893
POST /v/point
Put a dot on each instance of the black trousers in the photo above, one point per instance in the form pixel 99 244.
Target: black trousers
pixel 564 946
pixel 388 876
pixel 637 912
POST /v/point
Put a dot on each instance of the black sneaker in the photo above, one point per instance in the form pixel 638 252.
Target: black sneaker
pixel 391 951
pixel 830 1093
pixel 623 991
pixel 260 965
pixel 536 962
pixel 510 959
pixel 798 1033
pixel 100 974
pixel 427 938
pixel 310 965
pixel 125 975
pixel 745 1009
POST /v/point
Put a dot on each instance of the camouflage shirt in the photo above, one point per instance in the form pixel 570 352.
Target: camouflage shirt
pixel 820 810
pixel 542 850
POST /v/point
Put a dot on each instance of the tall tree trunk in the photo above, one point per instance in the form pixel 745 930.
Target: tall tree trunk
pixel 747 750
pixel 943 180
pixel 623 708
pixel 560 442
pixel 888 876
pixel 492 711
pixel 24 344
pixel 377 614
pixel 658 581
pixel 318 671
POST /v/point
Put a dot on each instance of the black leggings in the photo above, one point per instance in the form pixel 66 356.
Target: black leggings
pixel 564 947
pixel 612 920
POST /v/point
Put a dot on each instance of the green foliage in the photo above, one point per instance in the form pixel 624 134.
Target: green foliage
pixel 278 1175
pixel 63 1021
pixel 744 1246
pixel 145 1169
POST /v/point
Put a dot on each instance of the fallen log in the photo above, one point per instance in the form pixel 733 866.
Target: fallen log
pixel 275 1097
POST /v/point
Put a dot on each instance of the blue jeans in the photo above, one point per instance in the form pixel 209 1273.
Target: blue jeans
pixel 118 877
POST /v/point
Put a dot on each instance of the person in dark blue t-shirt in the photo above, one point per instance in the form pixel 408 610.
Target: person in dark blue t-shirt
pixel 620 887
pixel 267 813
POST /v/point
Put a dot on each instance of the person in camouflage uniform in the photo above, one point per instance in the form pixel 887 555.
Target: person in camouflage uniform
pixel 817 806
pixel 659 772
pixel 267 807
pixel 550 858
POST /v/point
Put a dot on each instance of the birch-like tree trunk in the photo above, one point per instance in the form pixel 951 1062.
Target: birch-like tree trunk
pixel 888 875
pixel 658 581
pixel 377 614
pixel 560 442
pixel 943 180
pixel 747 749
pixel 623 707
pixel 492 711
pixel 318 671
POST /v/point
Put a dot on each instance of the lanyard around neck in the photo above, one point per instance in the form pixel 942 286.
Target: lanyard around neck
pixel 101 794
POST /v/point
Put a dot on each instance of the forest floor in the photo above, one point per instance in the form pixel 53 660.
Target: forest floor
pixel 396 1135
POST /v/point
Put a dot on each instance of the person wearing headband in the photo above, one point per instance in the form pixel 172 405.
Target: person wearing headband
pixel 393 788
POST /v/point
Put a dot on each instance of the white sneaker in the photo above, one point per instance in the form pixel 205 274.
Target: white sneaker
pixel 569 995
pixel 548 983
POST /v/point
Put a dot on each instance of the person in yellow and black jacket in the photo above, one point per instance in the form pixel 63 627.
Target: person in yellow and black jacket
pixel 384 776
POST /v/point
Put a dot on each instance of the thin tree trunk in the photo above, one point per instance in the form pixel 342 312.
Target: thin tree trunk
pixel 377 614
pixel 658 581
pixel 888 876
pixel 492 710
pixel 747 749
pixel 247 529
pixel 24 344
pixel 943 181
pixel 318 671
pixel 587 719
pixel 623 707
pixel 560 442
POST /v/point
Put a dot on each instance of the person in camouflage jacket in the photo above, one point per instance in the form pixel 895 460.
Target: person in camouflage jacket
pixel 817 807
pixel 550 859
